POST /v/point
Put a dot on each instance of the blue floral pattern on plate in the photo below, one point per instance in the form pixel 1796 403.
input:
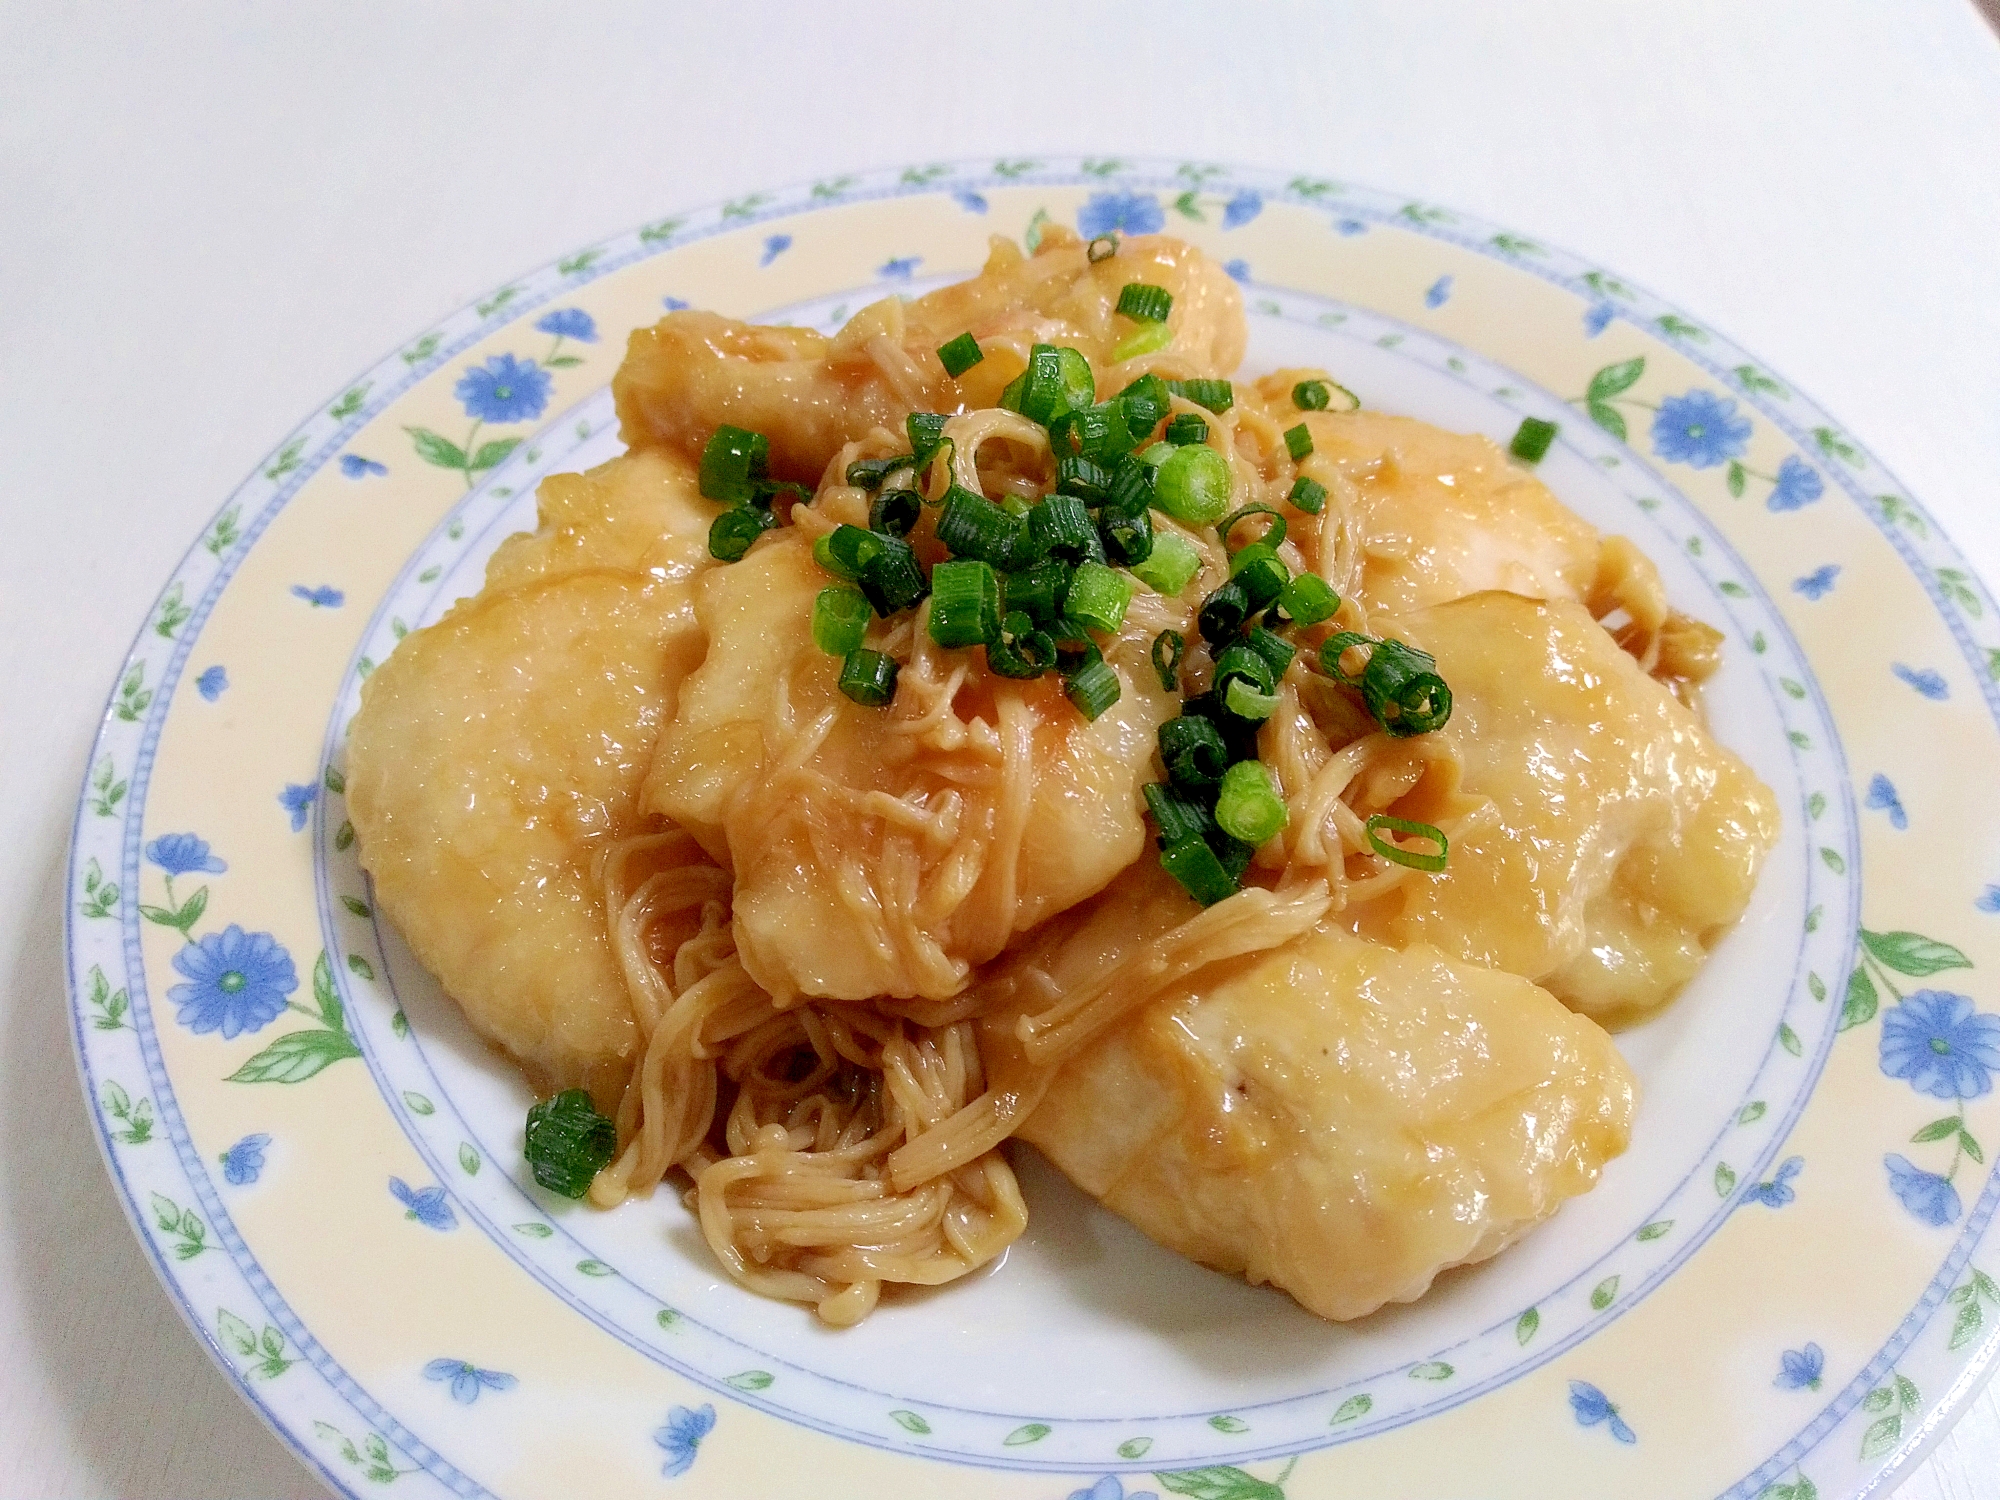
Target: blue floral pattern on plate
pixel 1592 1406
pixel 680 1436
pixel 237 981
pixel 467 1380
pixel 243 1163
pixel 428 1206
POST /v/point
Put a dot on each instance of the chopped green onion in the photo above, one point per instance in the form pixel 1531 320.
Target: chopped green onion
pixel 840 620
pixel 1308 495
pixel 1144 302
pixel 1298 442
pixel 892 579
pixel 1040 591
pixel 1247 703
pixel 1308 599
pixel 869 678
pixel 731 464
pixel 1146 401
pixel 1532 439
pixel 1241 663
pixel 1097 597
pixel 1092 687
pixel 1016 392
pixel 1131 489
pixel 567 1142
pixel 1156 455
pixel 1261 576
pixel 1273 535
pixel 1079 476
pixel 1409 858
pixel 1311 395
pixel 1061 527
pixel 895 512
pixel 1193 486
pixel 1102 248
pixel 1169 646
pixel 868 473
pixel 1021 650
pixel 1171 566
pixel 1398 685
pixel 1336 646
pixel 1179 814
pixel 1056 381
pixel 926 433
pixel 1217 395
pixel 1275 649
pixel 960 355
pixel 1247 807
pixel 1193 751
pixel 1185 429
pixel 1150 339
pixel 1195 866
pixel 1015 506
pixel 1223 613
pixel 965 604
pixel 1096 432
pixel 731 533
pixel 1128 540
pixel 972 526
pixel 846 551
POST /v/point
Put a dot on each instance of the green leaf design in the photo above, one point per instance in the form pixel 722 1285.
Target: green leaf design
pixel 1654 1230
pixel 435 449
pixel 1879 1400
pixel 1737 476
pixel 1312 188
pixel 1789 1040
pixel 1912 954
pixel 1971 1147
pixel 666 1317
pixel 1958 588
pixel 1758 644
pixel 1607 286
pixel 498 300
pixel 1137 1447
pixel 1828 857
pixel 1733 589
pixel 832 187
pixel 174 614
pixel 1103 166
pixel 1906 1392
pixel 400 1024
pixel 909 1421
pixel 419 1105
pixel 752 1380
pixel 356 905
pixel 1615 379
pixel 1937 1130
pixel 1753 379
pixel 430 574
pixel 534 1230
pixel 1527 1326
pixel 1435 1369
pixel 295 1057
pixel 1965 1327
pixel 1185 206
pixel 422 349
pixel 1353 1409
pixel 1751 1113
pixel 326 996
pixel 1881 1436
pixel 1604 1294
pixel 662 229
pixel 1681 328
pixel 350 403
pixel 1835 445
pixel 1032 235
pixel 361 966
pixel 562 362
pixel 1228 1424
pixel 1514 244
pixel 1609 417
pixel 286 460
pixel 1861 1003
pixel 468 1158
pixel 578 263
pixel 493 454
pixel 1813 918
pixel 742 208
pixel 1815 985
pixel 116 1100
pixel 1218 1483
pixel 1725 1179
pixel 224 535
pixel 1013 169
pixel 1993 662
pixel 238 1335
pixel 1032 1432
pixel 343 837
pixel 334 781
pixel 598 1268
pixel 1984 1286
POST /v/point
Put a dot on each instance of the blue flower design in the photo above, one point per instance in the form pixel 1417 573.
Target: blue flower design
pixel 183 854
pixel 1882 798
pixel 675 304
pixel 212 683
pixel 1241 209
pixel 1800 1369
pixel 1592 1406
pixel 899 268
pixel 468 1380
pixel 971 202
pixel 1237 270
pixel 1439 293
pixel 1700 429
pixel 1597 318
pixel 295 799
pixel 569 323
pixel 1778 1191
pixel 680 1435
pixel 1930 1197
pixel 1938 1043
pixel 1988 899
pixel 774 247
pixel 326 596
pixel 1110 1487
pixel 237 982
pixel 1818 583
pixel 428 1207
pixel 1350 227
pixel 1797 484
pixel 354 466
pixel 504 389
pixel 1120 213
pixel 1927 681
pixel 243 1163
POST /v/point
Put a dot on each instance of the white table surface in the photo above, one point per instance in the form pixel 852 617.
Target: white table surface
pixel 210 215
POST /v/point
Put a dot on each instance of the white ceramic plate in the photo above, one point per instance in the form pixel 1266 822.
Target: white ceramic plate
pixel 1781 1289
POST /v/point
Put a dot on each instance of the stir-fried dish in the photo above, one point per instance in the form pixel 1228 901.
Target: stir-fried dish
pixel 995 720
